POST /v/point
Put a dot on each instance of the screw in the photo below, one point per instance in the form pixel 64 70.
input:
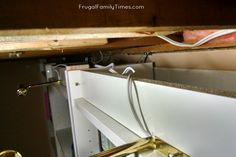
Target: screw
pixel 76 83
pixel 175 155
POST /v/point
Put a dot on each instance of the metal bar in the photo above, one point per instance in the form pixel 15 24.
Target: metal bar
pixel 143 144
pixel 130 148
pixel 24 91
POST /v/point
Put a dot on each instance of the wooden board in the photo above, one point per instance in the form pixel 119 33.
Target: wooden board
pixel 59 50
pixel 49 45
pixel 26 35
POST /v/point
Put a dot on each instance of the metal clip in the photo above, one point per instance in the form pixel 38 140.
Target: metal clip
pixel 24 91
pixel 144 144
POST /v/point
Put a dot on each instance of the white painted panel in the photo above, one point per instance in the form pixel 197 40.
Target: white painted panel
pixel 85 135
pixel 199 124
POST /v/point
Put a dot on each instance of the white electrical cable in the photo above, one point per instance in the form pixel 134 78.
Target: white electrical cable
pixel 109 67
pixel 111 70
pixel 57 72
pixel 142 122
pixel 128 69
pixel 60 65
pixel 200 42
pixel 58 75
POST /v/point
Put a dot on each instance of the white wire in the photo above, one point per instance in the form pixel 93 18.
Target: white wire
pixel 58 75
pixel 112 71
pixel 200 42
pixel 141 121
pixel 110 67
pixel 128 69
pixel 60 65
pixel 57 72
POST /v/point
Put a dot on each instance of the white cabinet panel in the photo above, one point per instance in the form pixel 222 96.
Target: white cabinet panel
pixel 198 121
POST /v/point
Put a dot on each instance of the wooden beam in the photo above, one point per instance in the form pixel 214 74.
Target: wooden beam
pixel 27 35
pixel 49 45
pixel 74 47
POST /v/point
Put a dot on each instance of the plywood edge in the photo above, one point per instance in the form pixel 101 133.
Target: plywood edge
pixel 49 45
pixel 92 33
